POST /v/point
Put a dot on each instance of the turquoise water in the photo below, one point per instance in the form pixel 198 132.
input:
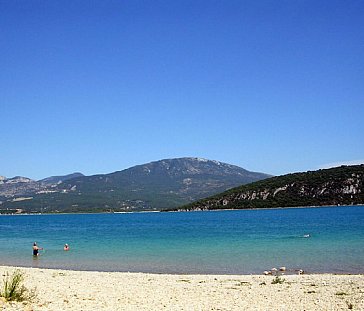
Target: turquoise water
pixel 242 242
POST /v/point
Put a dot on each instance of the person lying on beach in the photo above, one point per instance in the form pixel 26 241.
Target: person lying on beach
pixel 66 247
pixel 36 249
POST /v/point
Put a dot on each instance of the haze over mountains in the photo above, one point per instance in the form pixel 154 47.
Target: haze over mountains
pixel 153 186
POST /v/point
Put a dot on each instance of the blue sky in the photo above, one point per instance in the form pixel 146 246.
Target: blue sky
pixel 99 86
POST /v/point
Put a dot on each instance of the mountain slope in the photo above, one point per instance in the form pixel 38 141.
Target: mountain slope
pixel 19 186
pixel 53 180
pixel 153 186
pixel 341 185
pixel 188 177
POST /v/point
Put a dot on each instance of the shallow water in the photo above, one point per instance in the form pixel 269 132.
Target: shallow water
pixel 229 242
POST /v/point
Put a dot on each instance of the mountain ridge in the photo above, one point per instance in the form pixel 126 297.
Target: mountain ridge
pixel 57 179
pixel 151 186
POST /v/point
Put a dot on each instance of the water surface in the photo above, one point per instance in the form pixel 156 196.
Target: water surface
pixel 229 242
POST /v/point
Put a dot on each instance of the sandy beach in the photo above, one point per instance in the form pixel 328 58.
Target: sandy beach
pixel 87 290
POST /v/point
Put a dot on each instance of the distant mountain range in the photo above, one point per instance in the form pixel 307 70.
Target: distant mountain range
pixel 23 186
pixel 336 186
pixel 157 185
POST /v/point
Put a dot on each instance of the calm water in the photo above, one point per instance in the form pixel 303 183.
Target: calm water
pixel 243 242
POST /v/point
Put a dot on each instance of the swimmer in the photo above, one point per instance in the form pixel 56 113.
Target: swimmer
pixel 66 247
pixel 36 249
pixel 306 236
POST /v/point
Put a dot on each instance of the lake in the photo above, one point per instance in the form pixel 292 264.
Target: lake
pixel 317 240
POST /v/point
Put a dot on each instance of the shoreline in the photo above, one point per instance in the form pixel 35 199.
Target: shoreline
pixel 182 211
pixel 266 208
pixel 59 289
pixel 287 272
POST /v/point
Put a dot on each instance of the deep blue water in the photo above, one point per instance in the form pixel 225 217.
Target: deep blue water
pixel 241 242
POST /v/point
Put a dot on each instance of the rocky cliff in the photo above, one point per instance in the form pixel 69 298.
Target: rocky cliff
pixel 335 186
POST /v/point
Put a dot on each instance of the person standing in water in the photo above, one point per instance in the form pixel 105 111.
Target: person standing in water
pixel 66 247
pixel 36 249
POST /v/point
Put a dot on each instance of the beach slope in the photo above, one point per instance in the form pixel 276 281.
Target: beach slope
pixel 87 290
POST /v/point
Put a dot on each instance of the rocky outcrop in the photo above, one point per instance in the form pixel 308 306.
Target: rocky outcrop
pixel 341 185
pixel 10 187
pixel 23 186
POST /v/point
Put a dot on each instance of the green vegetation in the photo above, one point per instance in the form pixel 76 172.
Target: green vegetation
pixel 336 186
pixel 13 288
pixel 8 211
pixel 278 280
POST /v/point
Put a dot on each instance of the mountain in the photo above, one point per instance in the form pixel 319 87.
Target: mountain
pixel 19 186
pixel 336 186
pixel 53 180
pixel 153 186
pixel 11 187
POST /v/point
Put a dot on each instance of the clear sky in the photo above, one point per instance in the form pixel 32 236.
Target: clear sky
pixel 100 86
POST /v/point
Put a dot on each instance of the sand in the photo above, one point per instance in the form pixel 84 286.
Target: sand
pixel 88 290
